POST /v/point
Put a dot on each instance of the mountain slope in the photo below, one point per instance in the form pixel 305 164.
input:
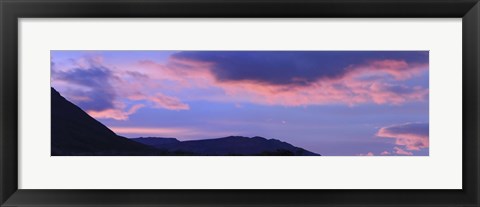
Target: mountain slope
pixel 233 145
pixel 74 132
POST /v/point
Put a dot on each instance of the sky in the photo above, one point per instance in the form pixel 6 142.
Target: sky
pixel 335 103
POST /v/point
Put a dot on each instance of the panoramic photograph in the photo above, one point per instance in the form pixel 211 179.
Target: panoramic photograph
pixel 239 103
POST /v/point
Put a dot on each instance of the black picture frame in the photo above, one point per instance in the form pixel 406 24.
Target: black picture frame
pixel 12 10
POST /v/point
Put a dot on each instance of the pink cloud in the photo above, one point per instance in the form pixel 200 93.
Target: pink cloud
pixel 368 154
pixel 163 101
pixel 413 136
pixel 116 114
pixel 184 73
pixel 360 84
pixel 385 153
pixel 323 92
pixel 398 69
pixel 400 151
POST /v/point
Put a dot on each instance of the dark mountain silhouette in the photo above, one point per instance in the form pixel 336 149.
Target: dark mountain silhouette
pixel 75 133
pixel 233 145
pixel 154 141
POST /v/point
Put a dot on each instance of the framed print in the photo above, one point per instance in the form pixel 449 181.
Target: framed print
pixel 255 103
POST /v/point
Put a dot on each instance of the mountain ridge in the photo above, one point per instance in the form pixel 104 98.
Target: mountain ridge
pixel 231 145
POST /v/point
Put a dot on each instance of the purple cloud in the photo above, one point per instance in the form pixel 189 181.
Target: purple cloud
pixel 92 91
pixel 290 67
